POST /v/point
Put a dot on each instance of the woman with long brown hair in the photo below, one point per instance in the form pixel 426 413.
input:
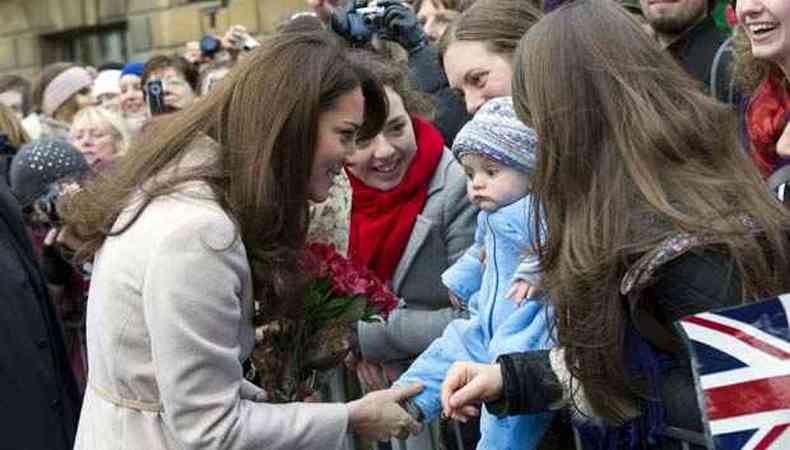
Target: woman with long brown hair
pixel 476 50
pixel 202 218
pixel 652 213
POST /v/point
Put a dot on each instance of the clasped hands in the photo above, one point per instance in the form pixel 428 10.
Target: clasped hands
pixel 380 414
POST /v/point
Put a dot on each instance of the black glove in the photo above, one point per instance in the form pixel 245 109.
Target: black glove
pixel 400 25
pixel 350 25
pixel 56 269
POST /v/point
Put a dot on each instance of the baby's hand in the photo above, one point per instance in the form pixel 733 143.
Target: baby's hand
pixel 456 301
pixel 521 290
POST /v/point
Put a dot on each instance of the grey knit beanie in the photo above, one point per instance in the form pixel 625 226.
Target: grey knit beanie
pixel 42 162
pixel 496 133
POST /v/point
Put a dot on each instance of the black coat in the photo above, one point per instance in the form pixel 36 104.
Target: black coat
pixel 39 400
pixel 429 77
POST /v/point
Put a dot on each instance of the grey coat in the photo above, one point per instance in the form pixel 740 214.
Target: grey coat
pixel 442 233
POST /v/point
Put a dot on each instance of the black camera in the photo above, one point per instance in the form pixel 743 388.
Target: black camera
pixel 372 17
pixel 154 93
pixel 359 22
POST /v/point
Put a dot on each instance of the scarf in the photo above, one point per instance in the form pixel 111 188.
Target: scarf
pixel 382 221
pixel 766 117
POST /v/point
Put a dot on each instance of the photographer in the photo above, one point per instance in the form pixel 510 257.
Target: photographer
pixel 394 20
pixel 40 174
pixel 170 83
pixel 212 50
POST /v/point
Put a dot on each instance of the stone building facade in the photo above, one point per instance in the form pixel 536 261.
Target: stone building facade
pixel 37 32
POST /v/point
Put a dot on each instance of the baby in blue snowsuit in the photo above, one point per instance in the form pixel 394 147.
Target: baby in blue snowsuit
pixel 497 279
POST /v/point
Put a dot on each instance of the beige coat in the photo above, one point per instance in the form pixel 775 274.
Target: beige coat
pixel 169 322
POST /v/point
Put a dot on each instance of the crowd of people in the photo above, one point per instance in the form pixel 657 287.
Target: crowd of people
pixel 546 186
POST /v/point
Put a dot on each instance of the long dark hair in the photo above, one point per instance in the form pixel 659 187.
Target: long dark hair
pixel 632 152
pixel 264 117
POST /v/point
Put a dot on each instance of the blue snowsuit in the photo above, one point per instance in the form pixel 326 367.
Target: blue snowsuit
pixel 496 325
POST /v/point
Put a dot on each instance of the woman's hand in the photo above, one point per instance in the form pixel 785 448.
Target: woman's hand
pixel 466 386
pixel 62 237
pixel 379 416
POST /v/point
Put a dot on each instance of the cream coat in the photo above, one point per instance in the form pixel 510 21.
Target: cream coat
pixel 169 322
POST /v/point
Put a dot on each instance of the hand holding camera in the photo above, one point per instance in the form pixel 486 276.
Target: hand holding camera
pixel 237 38
pixel 400 25
pixel 391 19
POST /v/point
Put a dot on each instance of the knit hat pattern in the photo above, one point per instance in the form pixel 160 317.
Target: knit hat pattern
pixel 63 87
pixel 42 162
pixel 496 133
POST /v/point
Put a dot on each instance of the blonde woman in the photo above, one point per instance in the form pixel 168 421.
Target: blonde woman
pixel 100 135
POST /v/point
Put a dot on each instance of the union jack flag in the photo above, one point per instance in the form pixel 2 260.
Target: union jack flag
pixel 741 362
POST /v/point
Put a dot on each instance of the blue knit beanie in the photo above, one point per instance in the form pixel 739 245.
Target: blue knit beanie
pixel 134 68
pixel 496 133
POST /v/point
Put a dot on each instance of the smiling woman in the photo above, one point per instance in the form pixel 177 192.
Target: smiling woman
pixel 763 68
pixel 206 216
pixel 477 50
pixel 410 220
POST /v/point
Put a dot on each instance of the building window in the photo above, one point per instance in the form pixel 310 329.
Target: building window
pixel 90 47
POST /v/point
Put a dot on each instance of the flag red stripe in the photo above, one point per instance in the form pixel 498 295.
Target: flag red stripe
pixel 752 397
pixel 771 437
pixel 740 335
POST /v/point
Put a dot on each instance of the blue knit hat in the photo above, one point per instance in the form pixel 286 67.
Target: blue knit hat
pixel 134 68
pixel 496 133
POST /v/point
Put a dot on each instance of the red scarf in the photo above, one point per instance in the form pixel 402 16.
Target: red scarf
pixel 766 118
pixel 382 221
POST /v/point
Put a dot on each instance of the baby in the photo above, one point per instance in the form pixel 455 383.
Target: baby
pixel 497 152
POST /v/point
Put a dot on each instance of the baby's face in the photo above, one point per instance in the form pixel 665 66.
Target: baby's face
pixel 491 185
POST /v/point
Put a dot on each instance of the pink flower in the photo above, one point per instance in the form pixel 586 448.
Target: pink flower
pixel 347 279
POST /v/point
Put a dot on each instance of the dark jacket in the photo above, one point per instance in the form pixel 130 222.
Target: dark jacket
pixel 39 403
pixel 429 77
pixel 699 281
pixel 696 51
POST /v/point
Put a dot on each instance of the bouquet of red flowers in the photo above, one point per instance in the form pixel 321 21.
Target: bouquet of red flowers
pixel 288 355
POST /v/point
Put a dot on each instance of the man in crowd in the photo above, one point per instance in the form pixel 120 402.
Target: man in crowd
pixel 686 29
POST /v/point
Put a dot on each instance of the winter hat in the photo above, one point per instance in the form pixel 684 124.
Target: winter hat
pixel 63 87
pixel 108 82
pixel 134 68
pixel 39 164
pixel 496 133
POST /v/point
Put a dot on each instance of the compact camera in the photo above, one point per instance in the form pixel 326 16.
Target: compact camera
pixel 154 93
pixel 363 21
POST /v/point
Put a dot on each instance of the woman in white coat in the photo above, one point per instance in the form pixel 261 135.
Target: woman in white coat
pixel 209 212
